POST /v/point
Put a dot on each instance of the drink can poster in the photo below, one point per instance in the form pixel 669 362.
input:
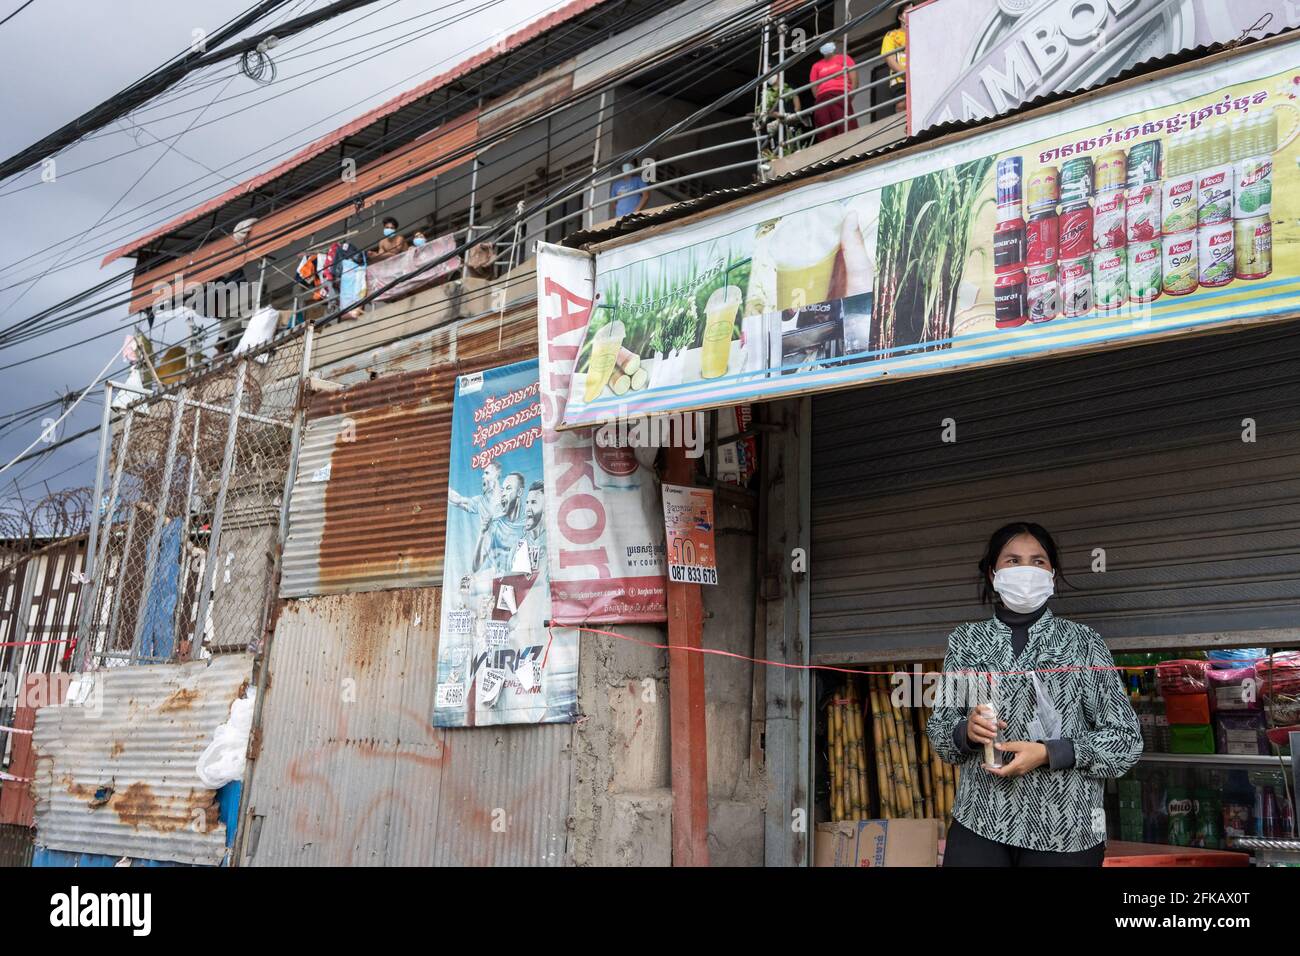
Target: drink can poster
pixel 498 662
pixel 603 514
pixel 688 520
pixel 919 264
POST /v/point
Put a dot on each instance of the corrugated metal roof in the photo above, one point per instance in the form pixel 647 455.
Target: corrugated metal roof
pixel 352 772
pixel 369 505
pixel 144 743
pixel 330 140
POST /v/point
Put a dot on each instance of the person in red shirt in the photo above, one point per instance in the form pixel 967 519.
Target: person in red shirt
pixel 832 83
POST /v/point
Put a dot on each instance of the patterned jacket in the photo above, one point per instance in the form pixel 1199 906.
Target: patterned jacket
pixel 1059 810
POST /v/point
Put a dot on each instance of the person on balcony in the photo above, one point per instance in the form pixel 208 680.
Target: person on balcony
pixel 624 192
pixel 835 83
pixel 393 243
pixel 894 49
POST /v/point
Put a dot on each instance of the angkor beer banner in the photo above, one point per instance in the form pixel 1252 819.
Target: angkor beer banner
pixel 1165 208
pixel 498 662
pixel 968 59
pixel 603 515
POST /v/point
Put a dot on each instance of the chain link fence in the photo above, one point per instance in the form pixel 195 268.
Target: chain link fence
pixel 188 529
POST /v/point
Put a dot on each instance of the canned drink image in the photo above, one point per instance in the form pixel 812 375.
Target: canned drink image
pixel 1253 247
pixel 1009 301
pixel 1112 171
pixel 1042 293
pixel 1144 271
pixel 1042 190
pixel 1042 239
pixel 1076 180
pixel 1216 262
pixel 1143 164
pixel 1214 196
pixel 1178 263
pixel 1010 180
pixel 1074 230
pixel 1009 245
pixel 1109 279
pixel 1076 286
pixel 1178 204
pixel 1108 222
pixel 1252 189
pixel 1142 213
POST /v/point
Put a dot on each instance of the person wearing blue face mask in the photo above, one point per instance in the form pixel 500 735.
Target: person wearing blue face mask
pixel 1034 713
pixel 418 239
pixel 392 244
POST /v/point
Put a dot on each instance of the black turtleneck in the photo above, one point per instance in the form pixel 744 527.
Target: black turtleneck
pixel 1019 624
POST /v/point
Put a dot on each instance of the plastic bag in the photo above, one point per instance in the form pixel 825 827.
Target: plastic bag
pixel 1046 724
pixel 222 761
pixel 1182 676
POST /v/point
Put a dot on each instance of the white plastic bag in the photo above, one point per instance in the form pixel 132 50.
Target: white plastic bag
pixel 223 759
pixel 1046 724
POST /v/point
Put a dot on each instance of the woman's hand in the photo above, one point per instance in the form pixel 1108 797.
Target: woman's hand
pixel 980 728
pixel 1026 755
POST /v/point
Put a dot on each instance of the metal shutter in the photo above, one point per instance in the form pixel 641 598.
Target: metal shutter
pixel 1138 451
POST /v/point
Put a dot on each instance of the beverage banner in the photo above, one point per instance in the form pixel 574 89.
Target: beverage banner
pixel 1161 209
pixel 969 59
pixel 498 662
pixel 602 516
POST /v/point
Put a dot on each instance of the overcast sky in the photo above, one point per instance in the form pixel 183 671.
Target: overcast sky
pixel 62 57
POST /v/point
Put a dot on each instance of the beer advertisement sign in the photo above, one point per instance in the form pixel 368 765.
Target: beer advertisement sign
pixel 971 59
pixel 1164 208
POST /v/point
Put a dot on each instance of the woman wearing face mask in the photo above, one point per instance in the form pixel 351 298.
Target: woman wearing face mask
pixel 1060 719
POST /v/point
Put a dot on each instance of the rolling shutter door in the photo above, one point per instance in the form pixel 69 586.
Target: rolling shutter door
pixel 1138 452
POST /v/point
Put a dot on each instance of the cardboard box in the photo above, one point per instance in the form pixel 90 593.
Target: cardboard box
pixel 878 843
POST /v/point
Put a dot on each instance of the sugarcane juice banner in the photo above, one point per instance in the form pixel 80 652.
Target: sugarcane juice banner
pixel 1162 209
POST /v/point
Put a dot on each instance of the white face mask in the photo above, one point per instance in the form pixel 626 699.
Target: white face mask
pixel 1024 589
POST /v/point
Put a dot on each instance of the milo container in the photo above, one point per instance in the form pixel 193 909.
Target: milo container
pixel 1142 213
pixel 1075 277
pixel 1144 271
pixel 1143 165
pixel 1252 243
pixel 1009 302
pixel 1178 263
pixel 1214 196
pixel 1043 293
pixel 1216 260
pixel 1110 279
pixel 1111 172
pixel 1076 180
pixel 1109 226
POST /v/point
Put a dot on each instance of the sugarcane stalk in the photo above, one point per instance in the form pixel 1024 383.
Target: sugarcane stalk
pixel 878 738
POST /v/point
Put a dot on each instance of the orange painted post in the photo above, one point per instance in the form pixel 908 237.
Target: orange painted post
pixel 690 766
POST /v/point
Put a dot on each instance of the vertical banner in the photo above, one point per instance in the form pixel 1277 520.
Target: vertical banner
pixel 602 516
pixel 498 662
pixel 688 521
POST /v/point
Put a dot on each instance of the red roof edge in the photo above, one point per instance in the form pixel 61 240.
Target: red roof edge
pixel 517 39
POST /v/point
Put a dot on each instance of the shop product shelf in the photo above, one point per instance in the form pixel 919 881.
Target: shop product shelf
pixel 1218 760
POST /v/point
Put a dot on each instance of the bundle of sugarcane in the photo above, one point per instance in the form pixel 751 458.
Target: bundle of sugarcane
pixel 884 785
pixel 846 755
pixel 944 775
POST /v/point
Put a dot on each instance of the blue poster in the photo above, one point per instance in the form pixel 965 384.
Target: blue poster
pixel 498 662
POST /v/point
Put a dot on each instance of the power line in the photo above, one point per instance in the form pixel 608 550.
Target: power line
pixel 16 12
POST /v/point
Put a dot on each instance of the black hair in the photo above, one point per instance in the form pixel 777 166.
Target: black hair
pixel 389 220
pixel 999 540
pixel 538 485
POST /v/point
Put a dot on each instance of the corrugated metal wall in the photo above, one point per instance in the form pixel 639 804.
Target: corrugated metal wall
pixel 1137 451
pixel 369 504
pixel 351 771
pixel 118 776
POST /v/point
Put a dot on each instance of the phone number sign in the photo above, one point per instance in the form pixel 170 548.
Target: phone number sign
pixel 688 521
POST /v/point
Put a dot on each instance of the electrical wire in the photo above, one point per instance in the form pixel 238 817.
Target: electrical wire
pixel 16 12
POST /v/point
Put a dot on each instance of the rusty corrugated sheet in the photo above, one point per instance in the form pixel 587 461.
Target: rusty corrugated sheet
pixel 369 505
pixel 15 846
pixel 120 779
pixel 309 215
pixel 351 771
pixel 498 50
